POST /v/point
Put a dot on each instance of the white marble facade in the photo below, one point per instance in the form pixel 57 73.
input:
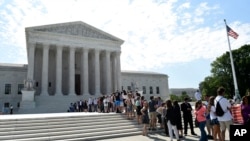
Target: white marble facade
pixel 69 62
pixel 73 58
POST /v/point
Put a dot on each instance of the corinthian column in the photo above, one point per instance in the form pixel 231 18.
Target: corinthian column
pixel 118 70
pixel 108 72
pixel 114 72
pixel 97 72
pixel 31 58
pixel 45 68
pixel 72 71
pixel 85 71
pixel 59 70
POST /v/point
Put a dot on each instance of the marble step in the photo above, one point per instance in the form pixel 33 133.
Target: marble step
pixel 79 132
pixel 62 128
pixel 67 127
pixel 65 121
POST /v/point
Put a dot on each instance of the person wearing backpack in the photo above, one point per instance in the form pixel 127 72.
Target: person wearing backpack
pixel 222 110
pixel 152 113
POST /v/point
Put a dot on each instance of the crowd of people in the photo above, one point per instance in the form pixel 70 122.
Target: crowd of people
pixel 168 115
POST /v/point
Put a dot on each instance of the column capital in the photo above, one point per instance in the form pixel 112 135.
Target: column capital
pixel 31 44
pixel 72 48
pixel 97 50
pixel 59 47
pixel 118 52
pixel 46 46
pixel 85 49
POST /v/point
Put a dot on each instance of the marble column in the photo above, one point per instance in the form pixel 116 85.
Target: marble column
pixel 97 72
pixel 118 70
pixel 85 72
pixel 31 59
pixel 59 50
pixel 108 72
pixel 71 71
pixel 114 72
pixel 45 70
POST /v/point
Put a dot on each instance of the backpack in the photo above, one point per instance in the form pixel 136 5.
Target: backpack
pixel 218 110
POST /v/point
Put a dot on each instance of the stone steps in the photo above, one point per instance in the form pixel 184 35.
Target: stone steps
pixel 68 127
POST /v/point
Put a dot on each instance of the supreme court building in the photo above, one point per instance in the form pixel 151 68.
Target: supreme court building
pixel 69 62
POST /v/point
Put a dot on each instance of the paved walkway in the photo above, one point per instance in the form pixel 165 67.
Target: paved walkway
pixel 159 137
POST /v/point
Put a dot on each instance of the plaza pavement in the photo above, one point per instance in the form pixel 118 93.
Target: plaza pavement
pixel 160 137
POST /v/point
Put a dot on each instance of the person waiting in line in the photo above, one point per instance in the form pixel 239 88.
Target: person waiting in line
pixel 133 98
pixel 138 109
pixel 214 120
pixel 105 104
pixel 95 102
pixel 117 102
pixel 226 119
pixel 186 109
pixel 160 114
pixel 152 112
pixel 245 110
pixel 145 118
pixel 208 121
pixel 171 120
pixel 90 102
pixel 85 106
pixel 200 113
pixel 177 109
pixel 129 105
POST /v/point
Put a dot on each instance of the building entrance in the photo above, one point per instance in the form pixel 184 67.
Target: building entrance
pixel 78 84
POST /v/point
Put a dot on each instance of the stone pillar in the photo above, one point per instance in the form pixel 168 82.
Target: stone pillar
pixel 45 69
pixel 85 72
pixel 59 70
pixel 97 72
pixel 108 72
pixel 118 70
pixel 114 72
pixel 72 71
pixel 31 59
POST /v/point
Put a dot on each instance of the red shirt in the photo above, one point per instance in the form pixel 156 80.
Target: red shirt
pixel 201 114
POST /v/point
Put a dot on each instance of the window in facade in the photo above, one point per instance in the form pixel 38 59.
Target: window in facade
pixel 18 104
pixel 144 89
pixel 49 84
pixel 157 90
pixel 36 84
pixel 129 88
pixel 151 90
pixel 20 87
pixel 7 88
pixel 7 104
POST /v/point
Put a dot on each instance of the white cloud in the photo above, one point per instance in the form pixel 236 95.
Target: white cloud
pixel 155 34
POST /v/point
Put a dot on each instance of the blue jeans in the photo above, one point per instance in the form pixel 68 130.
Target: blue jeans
pixel 203 132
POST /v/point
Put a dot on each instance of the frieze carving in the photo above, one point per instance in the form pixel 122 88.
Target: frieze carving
pixel 77 30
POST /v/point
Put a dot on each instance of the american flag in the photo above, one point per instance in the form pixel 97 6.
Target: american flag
pixel 232 33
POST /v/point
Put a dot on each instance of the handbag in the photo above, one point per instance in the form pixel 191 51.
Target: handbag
pixel 196 122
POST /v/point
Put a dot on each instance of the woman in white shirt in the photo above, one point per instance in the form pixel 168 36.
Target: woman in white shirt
pixel 213 117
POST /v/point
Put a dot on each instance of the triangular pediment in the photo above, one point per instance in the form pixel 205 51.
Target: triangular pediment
pixel 76 29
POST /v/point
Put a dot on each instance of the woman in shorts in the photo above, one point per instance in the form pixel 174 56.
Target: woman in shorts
pixel 213 117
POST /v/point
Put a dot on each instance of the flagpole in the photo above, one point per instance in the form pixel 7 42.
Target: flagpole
pixel 237 97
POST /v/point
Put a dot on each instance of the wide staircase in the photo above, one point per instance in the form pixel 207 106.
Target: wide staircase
pixel 66 127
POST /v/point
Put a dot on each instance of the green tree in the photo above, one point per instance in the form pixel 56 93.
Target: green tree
pixel 222 73
pixel 174 97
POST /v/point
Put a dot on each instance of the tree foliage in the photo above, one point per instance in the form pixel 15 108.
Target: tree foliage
pixel 222 73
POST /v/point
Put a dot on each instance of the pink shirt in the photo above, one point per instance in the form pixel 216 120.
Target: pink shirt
pixel 201 114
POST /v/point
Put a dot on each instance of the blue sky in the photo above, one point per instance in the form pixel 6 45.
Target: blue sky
pixel 180 38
